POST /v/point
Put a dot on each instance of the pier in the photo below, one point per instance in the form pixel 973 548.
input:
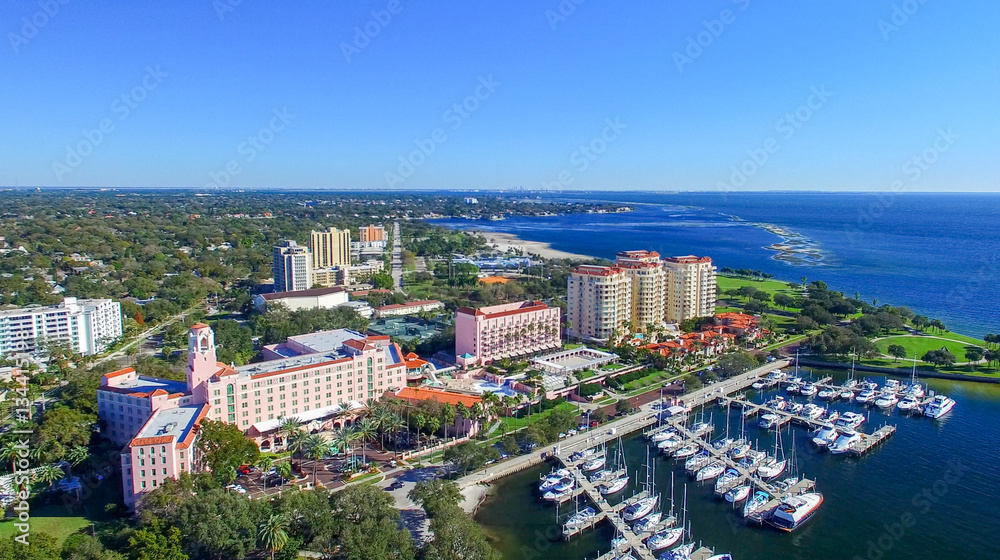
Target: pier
pixel 868 441
pixel 784 416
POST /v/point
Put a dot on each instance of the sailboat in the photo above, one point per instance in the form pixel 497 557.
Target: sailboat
pixel 742 445
pixel 669 537
pixel 644 506
pixel 848 386
pixel 776 465
pixel 617 477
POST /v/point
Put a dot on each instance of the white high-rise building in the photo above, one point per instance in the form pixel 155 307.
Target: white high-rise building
pixel 598 302
pixel 88 326
pixel 292 267
pixel 691 288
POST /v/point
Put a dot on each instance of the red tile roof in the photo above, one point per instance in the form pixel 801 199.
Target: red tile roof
pixel 445 397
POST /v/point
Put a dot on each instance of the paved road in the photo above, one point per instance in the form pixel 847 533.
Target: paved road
pixel 121 352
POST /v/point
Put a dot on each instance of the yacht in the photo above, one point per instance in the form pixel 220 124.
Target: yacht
pixel 794 380
pixel 847 395
pixel 914 389
pixel 722 444
pixel 721 557
pixel 640 509
pixel 825 436
pixel 849 421
pixel 795 510
pixel 753 460
pixel 909 403
pixel 756 503
pixel 581 517
pixel 830 416
pixel 738 494
pixel 777 403
pixel 613 487
pixel 794 388
pixel 849 384
pixel 664 539
pixel 710 471
pixel 886 399
pixel 686 451
pixel 648 523
pixel 702 428
pixel 812 411
pixel 808 390
pixel 594 464
pixel 828 394
pixel 845 442
pixel 893 385
pixel 796 408
pixel 758 385
pixel 868 384
pixel 866 396
pixel 768 421
pixel 938 407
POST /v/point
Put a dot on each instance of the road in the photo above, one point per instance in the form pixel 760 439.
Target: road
pixel 397 258
pixel 121 352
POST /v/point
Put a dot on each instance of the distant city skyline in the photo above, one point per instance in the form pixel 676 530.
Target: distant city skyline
pixel 725 95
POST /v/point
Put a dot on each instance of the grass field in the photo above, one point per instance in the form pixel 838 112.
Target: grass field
pixel 517 423
pixel 920 345
pixel 770 286
pixel 61 521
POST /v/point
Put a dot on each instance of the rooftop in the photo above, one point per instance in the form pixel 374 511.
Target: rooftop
pixel 173 423
pixel 326 341
pixel 408 304
pixel 688 259
pixel 444 397
pixel 303 293
pixel 143 384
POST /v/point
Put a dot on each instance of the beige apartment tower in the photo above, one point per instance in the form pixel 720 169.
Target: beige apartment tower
pixel 649 288
pixel 691 289
pixel 598 302
pixel 330 248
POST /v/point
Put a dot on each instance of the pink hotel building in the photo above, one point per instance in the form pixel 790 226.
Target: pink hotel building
pixel 509 330
pixel 313 377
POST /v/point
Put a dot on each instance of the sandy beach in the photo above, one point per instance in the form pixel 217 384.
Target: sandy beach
pixel 506 241
pixel 474 495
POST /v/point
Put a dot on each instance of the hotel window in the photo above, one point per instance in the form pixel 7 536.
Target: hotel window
pixel 142 462
pixel 182 466
pixel 182 454
pixel 164 470
pixel 142 473
pixel 143 483
pixel 152 460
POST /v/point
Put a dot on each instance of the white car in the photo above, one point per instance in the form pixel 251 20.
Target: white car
pixel 237 488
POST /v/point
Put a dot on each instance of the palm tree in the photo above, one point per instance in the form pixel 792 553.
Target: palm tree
pixel 11 451
pixel 264 463
pixel 342 439
pixel 393 425
pixel 77 455
pixel 315 449
pixel 289 426
pixel 272 533
pixel 48 474
pixel 296 442
pixel 364 431
pixel 284 470
pixel 382 417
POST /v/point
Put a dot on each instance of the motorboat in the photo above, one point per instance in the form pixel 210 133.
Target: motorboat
pixel 793 388
pixel 786 483
pixel 938 407
pixel 686 451
pixel 830 416
pixel 613 486
pixel 640 509
pixel 795 510
pixel 557 495
pixel 796 408
pixel 776 375
pixel 847 395
pixel 812 411
pixel 727 479
pixel 825 436
pixel 669 444
pixel 648 523
pixel 808 390
pixel 581 517
pixel 720 557
pixel 794 380
pixel 758 385
pixel 664 539
pixel 908 403
pixel 866 396
pixel 886 399
pixel 845 442
pixel 738 494
pixel 756 503
pixel 739 450
pixel 777 403
pixel 768 421
pixel 682 552
pixel 552 482
pixel 868 384
pixel 710 471
pixel 914 389
pixel 579 455
pixel 594 464
pixel 849 384
pixel 697 462
pixel 772 469
pixel 849 421
pixel 893 385
pixel 828 394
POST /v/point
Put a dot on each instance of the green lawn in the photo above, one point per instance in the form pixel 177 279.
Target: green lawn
pixel 770 286
pixel 61 521
pixel 920 345
pixel 510 424
pixel 585 374
pixel 48 520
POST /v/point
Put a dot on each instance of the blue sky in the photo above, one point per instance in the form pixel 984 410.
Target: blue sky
pixel 470 94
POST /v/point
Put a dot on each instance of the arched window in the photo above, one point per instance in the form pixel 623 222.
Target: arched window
pixel 229 389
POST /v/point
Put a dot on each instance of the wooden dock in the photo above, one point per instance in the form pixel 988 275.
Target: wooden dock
pixel 784 416
pixel 868 441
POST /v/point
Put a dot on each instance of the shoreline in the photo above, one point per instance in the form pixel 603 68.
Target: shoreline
pixel 507 241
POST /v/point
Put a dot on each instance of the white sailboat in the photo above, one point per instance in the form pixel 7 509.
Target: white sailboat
pixel 644 506
pixel 777 464
pixel 668 537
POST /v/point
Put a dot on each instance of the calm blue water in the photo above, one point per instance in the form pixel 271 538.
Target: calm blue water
pixel 937 253
pixel 949 513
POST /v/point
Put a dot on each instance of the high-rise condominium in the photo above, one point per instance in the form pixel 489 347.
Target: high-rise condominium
pixel 330 247
pixel 292 267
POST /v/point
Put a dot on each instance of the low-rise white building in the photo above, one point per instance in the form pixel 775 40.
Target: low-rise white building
pixel 88 326
pixel 409 308
pixel 316 298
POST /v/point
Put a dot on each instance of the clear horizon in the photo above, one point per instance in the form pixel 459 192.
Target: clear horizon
pixel 728 95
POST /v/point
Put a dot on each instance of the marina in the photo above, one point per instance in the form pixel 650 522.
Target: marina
pixel 829 474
